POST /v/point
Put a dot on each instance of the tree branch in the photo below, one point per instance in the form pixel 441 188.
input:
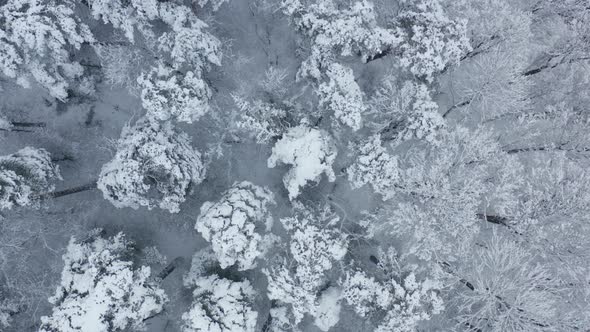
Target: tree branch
pixel 561 147
pixel 497 220
pixel 70 191
pixel 17 130
pixel 459 105
pixel 478 49
pixel 548 65
pixel 28 124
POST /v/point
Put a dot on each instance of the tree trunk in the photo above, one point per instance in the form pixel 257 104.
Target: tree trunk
pixel 560 147
pixel 459 105
pixel 497 220
pixel 65 157
pixel 17 130
pixel 539 68
pixel 479 48
pixel 548 65
pixel 176 262
pixel 66 192
pixel 28 124
pixel 494 219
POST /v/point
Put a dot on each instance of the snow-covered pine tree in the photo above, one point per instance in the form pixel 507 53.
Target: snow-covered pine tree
pixel 220 305
pixel 341 95
pixel 266 122
pixel 7 309
pixel 297 281
pixel 174 87
pixel 101 290
pixel 374 165
pixel 403 304
pixel 402 111
pixel 433 41
pixel 311 151
pixel 336 31
pixel 155 165
pixel 36 37
pixel 235 224
pixel 25 175
pixel 168 94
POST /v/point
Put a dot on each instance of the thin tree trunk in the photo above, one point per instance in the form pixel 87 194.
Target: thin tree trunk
pixel 560 147
pixel 17 130
pixel 498 220
pixel 540 68
pixel 535 71
pixel 548 65
pixel 533 149
pixel 28 124
pixel 90 65
pixel 478 49
pixel 494 219
pixel 63 158
pixel 459 105
pixel 176 262
pixel 70 191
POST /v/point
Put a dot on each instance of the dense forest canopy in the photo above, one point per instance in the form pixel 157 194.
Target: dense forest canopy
pixel 294 165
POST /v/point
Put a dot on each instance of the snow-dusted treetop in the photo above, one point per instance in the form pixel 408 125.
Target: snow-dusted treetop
pixel 203 263
pixel 35 36
pixel 342 95
pixel 174 87
pixel 188 43
pixel 405 303
pixel 5 124
pixel 7 309
pixel 334 31
pixel 376 167
pixel 442 190
pixel 508 292
pixel 396 296
pixel 167 93
pixel 433 40
pixel 262 120
pixel 221 305
pixel 155 165
pixel 185 43
pixel 215 4
pixel 313 244
pixel 233 224
pixel 310 151
pixel 25 174
pixel 100 291
pixel 126 15
pixel 404 111
pixel 296 281
pixel 327 313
